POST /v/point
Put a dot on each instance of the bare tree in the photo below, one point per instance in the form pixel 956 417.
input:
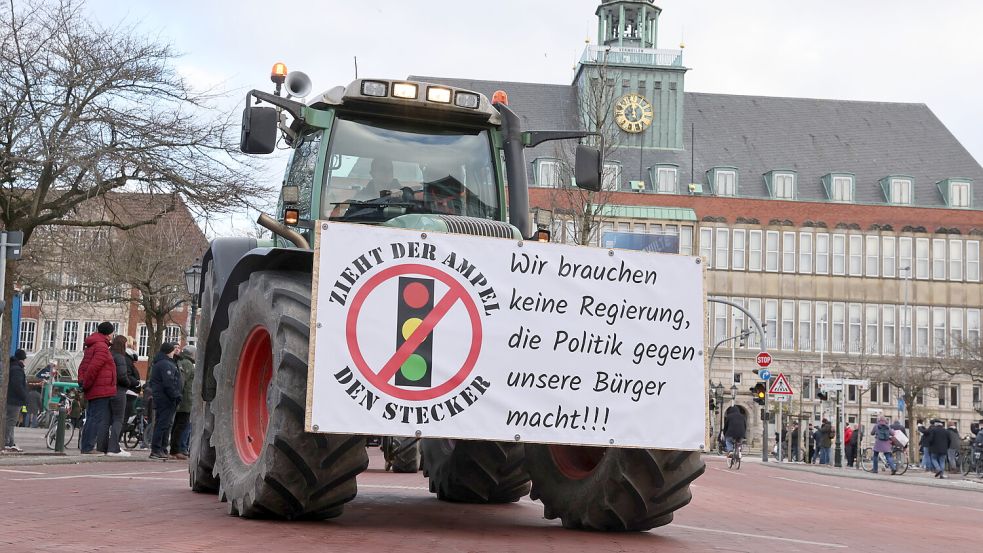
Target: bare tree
pixel 86 110
pixel 968 359
pixel 913 377
pixel 861 366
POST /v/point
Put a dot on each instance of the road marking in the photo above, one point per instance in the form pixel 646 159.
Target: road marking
pixel 21 471
pixel 891 497
pixel 729 471
pixel 120 474
pixel 387 487
pixel 759 536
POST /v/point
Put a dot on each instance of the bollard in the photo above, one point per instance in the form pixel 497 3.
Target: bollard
pixel 60 431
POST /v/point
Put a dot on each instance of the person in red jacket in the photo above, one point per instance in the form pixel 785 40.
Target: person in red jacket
pixel 97 375
pixel 847 445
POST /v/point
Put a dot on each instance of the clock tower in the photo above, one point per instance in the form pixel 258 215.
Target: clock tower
pixel 627 84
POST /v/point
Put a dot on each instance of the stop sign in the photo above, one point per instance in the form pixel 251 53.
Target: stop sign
pixel 764 359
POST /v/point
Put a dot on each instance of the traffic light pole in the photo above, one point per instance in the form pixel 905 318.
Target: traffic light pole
pixel 764 430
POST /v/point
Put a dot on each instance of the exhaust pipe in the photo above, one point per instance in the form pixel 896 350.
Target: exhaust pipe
pixel 278 228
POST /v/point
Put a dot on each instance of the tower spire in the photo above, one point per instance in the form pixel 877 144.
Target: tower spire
pixel 628 23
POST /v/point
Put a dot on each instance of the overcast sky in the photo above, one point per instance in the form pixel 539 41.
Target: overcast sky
pixel 876 50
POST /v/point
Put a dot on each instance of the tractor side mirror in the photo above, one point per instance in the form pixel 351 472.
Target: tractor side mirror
pixel 259 128
pixel 587 168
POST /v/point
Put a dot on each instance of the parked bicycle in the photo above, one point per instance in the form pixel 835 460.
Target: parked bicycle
pixel 972 461
pixel 51 435
pixel 900 455
pixel 134 430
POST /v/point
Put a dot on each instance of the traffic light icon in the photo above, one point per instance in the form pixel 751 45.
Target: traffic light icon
pixel 414 303
pixel 758 393
pixel 822 396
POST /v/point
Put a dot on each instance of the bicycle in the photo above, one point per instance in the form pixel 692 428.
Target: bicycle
pixel 734 458
pixel 134 431
pixel 900 455
pixel 51 435
pixel 973 462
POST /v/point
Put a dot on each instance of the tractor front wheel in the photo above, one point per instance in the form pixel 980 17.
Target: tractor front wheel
pixel 470 471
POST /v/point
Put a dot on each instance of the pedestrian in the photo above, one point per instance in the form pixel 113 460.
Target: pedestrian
pixel 33 407
pixel 882 444
pixel 117 407
pixel 735 427
pixel 856 439
pixel 165 385
pixel 812 445
pixel 826 434
pixel 16 398
pixel 795 442
pixel 923 445
pixel 181 433
pixel 97 374
pixel 848 444
pixel 937 440
pixel 955 442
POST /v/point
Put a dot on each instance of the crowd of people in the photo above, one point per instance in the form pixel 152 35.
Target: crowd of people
pixel 111 388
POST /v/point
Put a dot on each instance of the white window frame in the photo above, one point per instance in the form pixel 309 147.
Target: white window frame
pixel 805 253
pixel 805 326
pixel 755 250
pixel 972 261
pixel 771 322
pixel 611 179
pixel 973 327
pixel 771 251
pixel 841 189
pixel 938 258
pixel 872 318
pixel 672 185
pixel 838 254
pixel 686 240
pixel 939 332
pixel 889 330
pixel 923 330
pixel 821 319
pixel 889 259
pixel 906 323
pixel 822 253
pixel 172 334
pixel 788 252
pixel 855 330
pixel 900 191
pixel 548 173
pixel 143 341
pixel 725 182
pixel 955 260
pixel 70 335
pixel 49 334
pixel 720 316
pixel 906 256
pixel 721 244
pixel 706 245
pixel 922 266
pixel 955 331
pixel 872 255
pixel 788 325
pixel 839 327
pixel 89 328
pixel 739 245
pixel 856 261
pixel 754 306
pixel 784 185
pixel 959 194
pixel 27 340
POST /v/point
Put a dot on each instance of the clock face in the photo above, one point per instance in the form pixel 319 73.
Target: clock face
pixel 633 113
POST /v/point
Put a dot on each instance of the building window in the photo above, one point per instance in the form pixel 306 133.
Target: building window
pixel 739 246
pixel 889 266
pixel 548 173
pixel 805 252
pixel 954 395
pixel 90 328
pixel 49 335
pixel 839 254
pixel 955 259
pixel 921 258
pixel 856 255
pixel 30 296
pixel 921 330
pixel 70 336
pixel 666 180
pixel 856 327
pixel 871 346
pixel 28 334
pixel 938 331
pixel 754 306
pixel 706 244
pixel 973 327
pixel 905 257
pixel 807 387
pixel 788 252
pixel 900 191
pixel 771 320
pixel 754 250
pixel 851 393
pixel 720 321
pixel 959 194
pixel 977 394
pixel 143 341
pixel 888 338
pixel 873 392
pixel 842 189
pixel 788 325
pixel 822 254
pixel 906 335
pixel 624 227
pixel 736 320
pixel 771 251
pixel 822 325
pixel 972 260
pixel 612 176
pixel 784 186
pixel 172 334
pixel 873 256
pixel 73 294
pixel 726 183
pixel 938 259
pixel 722 248
pixel 839 327
pixel 805 326
pixel 955 331
pixel 686 240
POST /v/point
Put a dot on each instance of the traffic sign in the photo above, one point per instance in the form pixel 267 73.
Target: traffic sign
pixel 764 359
pixel 830 384
pixel 781 398
pixel 780 387
pixel 764 374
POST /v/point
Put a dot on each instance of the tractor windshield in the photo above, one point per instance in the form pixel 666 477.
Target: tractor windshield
pixel 376 171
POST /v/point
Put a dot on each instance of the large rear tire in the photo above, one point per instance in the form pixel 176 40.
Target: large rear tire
pixel 611 488
pixel 201 462
pixel 469 471
pixel 406 455
pixel 268 465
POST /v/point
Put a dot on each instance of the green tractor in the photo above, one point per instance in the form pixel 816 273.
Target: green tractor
pixel 402 154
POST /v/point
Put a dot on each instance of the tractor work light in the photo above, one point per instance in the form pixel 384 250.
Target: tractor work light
pixel 500 97
pixel 467 100
pixel 404 90
pixel 291 216
pixel 439 94
pixel 374 88
pixel 279 73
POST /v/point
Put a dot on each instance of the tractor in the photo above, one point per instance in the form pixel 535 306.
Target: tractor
pixel 401 154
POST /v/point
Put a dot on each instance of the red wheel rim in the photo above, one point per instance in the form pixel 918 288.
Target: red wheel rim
pixel 249 413
pixel 576 462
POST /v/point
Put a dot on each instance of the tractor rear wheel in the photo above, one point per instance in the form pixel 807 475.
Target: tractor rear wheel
pixel 268 465
pixel 616 489
pixel 201 462
pixel 406 454
pixel 469 471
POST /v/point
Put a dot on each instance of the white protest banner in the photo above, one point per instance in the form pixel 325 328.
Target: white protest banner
pixel 456 336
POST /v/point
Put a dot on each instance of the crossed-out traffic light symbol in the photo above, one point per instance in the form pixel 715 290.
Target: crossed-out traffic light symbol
pixel 414 303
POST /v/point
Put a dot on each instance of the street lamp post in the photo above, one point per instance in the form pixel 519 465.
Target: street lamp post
pixel 838 453
pixel 192 279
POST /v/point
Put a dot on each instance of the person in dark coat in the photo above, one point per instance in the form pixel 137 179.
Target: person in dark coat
pixel 181 433
pixel 796 446
pixel 16 398
pixel 165 384
pixel 34 407
pixel 735 426
pixel 811 436
pixel 825 442
pixel 97 374
pixel 937 439
pixel 955 442
pixel 923 445
pixel 109 444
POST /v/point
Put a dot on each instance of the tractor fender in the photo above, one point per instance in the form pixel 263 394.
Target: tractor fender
pixel 232 261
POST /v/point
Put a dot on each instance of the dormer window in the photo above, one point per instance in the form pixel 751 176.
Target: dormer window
pixel 839 187
pixel 724 181
pixel 783 185
pixel 547 172
pixel 957 192
pixel 664 177
pixel 897 189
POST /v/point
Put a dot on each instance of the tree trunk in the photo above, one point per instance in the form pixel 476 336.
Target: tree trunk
pixel 5 332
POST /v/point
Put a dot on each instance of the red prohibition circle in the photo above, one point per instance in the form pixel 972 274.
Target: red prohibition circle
pixel 374 378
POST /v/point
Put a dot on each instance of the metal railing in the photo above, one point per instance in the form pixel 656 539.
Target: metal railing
pixel 652 57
